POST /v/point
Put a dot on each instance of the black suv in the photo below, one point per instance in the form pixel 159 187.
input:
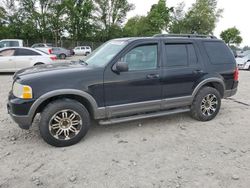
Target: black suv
pixel 125 79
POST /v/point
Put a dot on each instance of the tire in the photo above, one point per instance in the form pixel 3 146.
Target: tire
pixel 202 109
pixel 87 53
pixel 55 114
pixel 62 56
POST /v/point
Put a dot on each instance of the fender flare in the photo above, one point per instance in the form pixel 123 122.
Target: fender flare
pixel 98 112
pixel 208 80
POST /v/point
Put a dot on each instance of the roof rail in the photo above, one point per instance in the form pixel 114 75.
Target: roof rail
pixel 186 36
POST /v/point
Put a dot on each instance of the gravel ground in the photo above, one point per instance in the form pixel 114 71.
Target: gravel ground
pixel 174 151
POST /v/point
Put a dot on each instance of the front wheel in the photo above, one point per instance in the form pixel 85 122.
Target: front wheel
pixel 64 122
pixel 206 104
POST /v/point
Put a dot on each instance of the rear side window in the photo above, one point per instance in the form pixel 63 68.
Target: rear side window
pixel 177 55
pixel 26 52
pixel 218 52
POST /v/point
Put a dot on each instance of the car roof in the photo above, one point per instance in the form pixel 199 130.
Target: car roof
pixel 11 40
pixel 32 49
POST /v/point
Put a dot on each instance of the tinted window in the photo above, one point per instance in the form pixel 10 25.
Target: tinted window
pixel 83 48
pixel 142 58
pixel 218 52
pixel 176 55
pixel 192 54
pixel 25 52
pixel 9 44
pixel 9 52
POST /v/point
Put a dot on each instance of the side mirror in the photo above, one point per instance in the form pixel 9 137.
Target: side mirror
pixel 120 67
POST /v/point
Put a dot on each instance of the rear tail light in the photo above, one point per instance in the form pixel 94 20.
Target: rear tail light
pixel 236 74
pixel 53 58
pixel 50 51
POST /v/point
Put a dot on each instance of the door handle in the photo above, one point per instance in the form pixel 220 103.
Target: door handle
pixel 198 71
pixel 153 76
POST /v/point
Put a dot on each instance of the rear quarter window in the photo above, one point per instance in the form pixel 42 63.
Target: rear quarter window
pixel 218 53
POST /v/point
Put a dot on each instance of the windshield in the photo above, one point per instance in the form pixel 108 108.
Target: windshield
pixel 102 55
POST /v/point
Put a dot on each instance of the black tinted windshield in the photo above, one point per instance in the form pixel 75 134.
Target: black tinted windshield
pixel 102 55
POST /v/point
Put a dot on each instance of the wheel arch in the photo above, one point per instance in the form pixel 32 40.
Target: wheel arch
pixel 216 83
pixel 84 98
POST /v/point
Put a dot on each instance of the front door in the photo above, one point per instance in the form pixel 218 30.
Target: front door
pixel 139 89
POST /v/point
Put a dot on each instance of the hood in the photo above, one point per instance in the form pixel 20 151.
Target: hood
pixel 241 60
pixel 48 68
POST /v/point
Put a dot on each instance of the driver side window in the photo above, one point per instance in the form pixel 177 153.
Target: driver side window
pixel 142 58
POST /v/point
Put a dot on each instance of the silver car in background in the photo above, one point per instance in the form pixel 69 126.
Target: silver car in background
pixel 15 58
pixel 61 53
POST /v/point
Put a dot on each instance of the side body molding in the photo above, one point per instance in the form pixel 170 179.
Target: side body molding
pixel 98 112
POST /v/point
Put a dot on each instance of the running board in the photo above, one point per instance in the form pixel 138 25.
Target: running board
pixel 143 116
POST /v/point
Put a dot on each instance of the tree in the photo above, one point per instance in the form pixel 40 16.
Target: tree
pixel 177 19
pixel 201 18
pixel 138 26
pixel 155 22
pixel 159 16
pixel 79 16
pixel 231 36
pixel 110 14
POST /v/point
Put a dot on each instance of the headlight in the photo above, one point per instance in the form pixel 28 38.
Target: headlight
pixel 22 91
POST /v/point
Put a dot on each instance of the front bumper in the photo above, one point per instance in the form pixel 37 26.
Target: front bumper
pixel 18 110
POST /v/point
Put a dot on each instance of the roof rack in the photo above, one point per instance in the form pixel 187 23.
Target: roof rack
pixel 186 36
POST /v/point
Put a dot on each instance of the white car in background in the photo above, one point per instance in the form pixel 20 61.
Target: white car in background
pixel 243 62
pixel 45 47
pixel 82 50
pixel 15 58
pixel 11 43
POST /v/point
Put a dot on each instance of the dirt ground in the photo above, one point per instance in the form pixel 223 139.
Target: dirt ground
pixel 174 151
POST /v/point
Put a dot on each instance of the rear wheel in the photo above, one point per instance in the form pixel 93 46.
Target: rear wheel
pixel 64 123
pixel 62 56
pixel 206 104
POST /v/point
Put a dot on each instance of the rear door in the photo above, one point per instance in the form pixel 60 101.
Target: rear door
pixel 83 50
pixel 181 70
pixel 6 60
pixel 25 57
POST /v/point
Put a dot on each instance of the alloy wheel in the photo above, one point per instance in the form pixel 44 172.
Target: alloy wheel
pixel 65 125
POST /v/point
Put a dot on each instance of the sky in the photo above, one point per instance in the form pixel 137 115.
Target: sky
pixel 236 13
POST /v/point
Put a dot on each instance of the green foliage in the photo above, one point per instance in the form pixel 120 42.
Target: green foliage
pixel 101 20
pixel 78 18
pixel 42 20
pixel 201 18
pixel 231 36
pixel 110 14
pixel 157 20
